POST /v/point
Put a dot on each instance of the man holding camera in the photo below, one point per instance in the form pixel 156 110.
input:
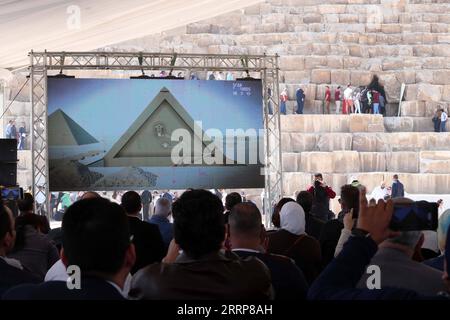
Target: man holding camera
pixel 329 191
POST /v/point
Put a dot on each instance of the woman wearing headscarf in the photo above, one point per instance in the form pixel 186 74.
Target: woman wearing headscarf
pixel 292 241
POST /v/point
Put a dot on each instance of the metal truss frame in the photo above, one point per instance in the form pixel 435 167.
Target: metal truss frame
pixel 265 65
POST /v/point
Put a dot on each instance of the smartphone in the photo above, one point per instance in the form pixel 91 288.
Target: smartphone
pixel 12 194
pixel 415 216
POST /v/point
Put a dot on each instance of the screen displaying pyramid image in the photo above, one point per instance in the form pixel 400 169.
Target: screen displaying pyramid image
pixel 116 134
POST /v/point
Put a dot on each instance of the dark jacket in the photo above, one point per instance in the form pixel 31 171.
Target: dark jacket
pixel 339 279
pixel 329 238
pixel 11 276
pixel 214 276
pixel 165 228
pixel 313 226
pixel 397 190
pixel 321 211
pixel 38 253
pixel 147 241
pixel 436 263
pixel 303 249
pixel 91 289
pixel 288 280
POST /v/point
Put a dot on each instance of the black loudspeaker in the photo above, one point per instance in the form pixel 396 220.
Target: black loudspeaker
pixel 8 162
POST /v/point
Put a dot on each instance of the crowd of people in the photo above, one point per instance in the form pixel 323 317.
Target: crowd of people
pixel 193 247
pixel 11 132
pixel 370 99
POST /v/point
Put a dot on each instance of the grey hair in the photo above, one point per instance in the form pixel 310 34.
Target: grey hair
pixel 163 207
pixel 407 238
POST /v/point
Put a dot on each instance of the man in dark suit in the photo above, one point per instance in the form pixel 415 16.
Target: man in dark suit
pixel 247 237
pixel 96 241
pixel 202 270
pixel 146 236
pixel 11 273
pixel 397 189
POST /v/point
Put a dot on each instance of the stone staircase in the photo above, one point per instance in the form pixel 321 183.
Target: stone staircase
pixel 363 147
pixel 335 42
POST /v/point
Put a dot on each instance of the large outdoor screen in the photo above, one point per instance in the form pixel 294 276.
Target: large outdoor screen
pixel 115 134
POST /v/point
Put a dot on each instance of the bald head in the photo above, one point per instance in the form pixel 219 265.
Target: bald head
pixel 245 220
pixel 90 195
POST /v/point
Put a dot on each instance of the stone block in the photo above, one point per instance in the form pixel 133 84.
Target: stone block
pixel 398 124
pixel 441 50
pixel 441 77
pixel 369 179
pixel 446 93
pixel 433 141
pixel 402 162
pixel 320 76
pixel 291 161
pixel 424 76
pixel 302 142
pixel 402 141
pixel 317 162
pixel 360 122
pixel 426 92
pixel 360 78
pixel 341 77
pixel 295 76
pixel 24 177
pixel 440 28
pixel 413 108
pixel 432 106
pixel 372 161
pixel 345 161
pixel 334 141
pixel 18 108
pixel 292 63
pixel 367 142
pixel 423 125
pixel 24 157
pixel 435 162
pixel 285 141
pixel 313 62
pixel 295 181
pixel 335 62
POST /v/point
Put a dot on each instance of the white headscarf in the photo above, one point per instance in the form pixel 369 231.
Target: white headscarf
pixel 292 218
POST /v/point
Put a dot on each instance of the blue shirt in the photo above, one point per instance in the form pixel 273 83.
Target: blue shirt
pixel 165 228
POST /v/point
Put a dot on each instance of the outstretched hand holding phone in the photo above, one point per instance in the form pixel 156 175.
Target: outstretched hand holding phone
pixel 375 219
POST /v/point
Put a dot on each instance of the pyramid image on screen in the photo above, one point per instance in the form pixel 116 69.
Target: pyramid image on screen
pixel 147 142
pixel 64 131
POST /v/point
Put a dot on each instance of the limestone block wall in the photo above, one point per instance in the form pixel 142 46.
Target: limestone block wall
pixel 334 42
pixel 363 147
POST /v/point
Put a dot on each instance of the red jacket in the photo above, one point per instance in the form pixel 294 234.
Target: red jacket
pixel 330 193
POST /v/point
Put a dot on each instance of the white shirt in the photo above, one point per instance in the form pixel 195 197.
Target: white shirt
pixel 245 249
pixel 58 272
pixel 40 198
pixel 444 117
pixel 379 193
pixel 348 93
pixel 13 262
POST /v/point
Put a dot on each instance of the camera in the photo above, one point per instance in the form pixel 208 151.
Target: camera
pixel 11 193
pixel 415 216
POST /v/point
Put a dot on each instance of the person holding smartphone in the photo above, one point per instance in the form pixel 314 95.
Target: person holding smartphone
pixel 330 194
